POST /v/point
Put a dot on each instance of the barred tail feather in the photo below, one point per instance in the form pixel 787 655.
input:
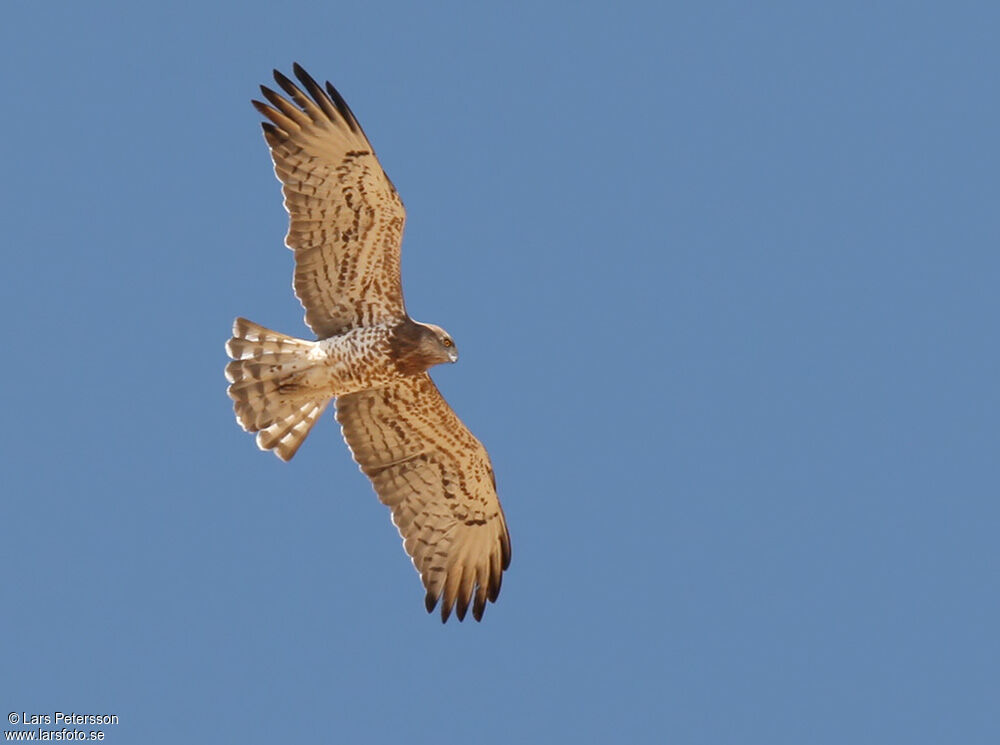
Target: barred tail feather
pixel 269 386
pixel 284 437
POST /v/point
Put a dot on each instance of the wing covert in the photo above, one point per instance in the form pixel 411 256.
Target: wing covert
pixel 345 217
pixel 436 477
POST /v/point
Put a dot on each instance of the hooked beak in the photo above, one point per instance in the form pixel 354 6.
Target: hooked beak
pixel 453 355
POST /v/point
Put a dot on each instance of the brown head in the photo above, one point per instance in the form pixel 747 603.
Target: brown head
pixel 416 347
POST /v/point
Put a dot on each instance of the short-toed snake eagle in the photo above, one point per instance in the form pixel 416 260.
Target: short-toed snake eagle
pixel 346 227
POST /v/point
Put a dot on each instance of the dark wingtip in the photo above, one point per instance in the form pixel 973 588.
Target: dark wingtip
pixel 306 78
pixel 271 96
pixel 285 83
pixel 342 107
pixel 430 602
pixel 479 605
pixel 271 134
pixel 494 588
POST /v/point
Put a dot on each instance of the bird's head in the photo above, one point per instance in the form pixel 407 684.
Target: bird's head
pixel 441 346
pixel 415 347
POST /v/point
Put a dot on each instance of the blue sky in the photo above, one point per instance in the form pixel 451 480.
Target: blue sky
pixel 724 278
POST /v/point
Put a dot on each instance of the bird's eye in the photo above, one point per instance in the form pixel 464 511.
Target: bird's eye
pixel 447 342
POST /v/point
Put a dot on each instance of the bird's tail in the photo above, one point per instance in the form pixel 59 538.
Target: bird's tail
pixel 269 384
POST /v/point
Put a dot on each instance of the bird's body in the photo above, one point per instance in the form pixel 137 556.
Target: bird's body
pixel 356 360
pixel 371 357
pixel 277 381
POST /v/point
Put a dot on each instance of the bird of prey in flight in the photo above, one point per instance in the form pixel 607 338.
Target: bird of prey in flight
pixel 370 357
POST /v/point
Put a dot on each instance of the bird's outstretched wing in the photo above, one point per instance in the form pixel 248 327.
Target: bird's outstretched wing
pixel 346 220
pixel 436 478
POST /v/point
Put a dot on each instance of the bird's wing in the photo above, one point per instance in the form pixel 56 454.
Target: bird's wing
pixel 346 220
pixel 436 478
